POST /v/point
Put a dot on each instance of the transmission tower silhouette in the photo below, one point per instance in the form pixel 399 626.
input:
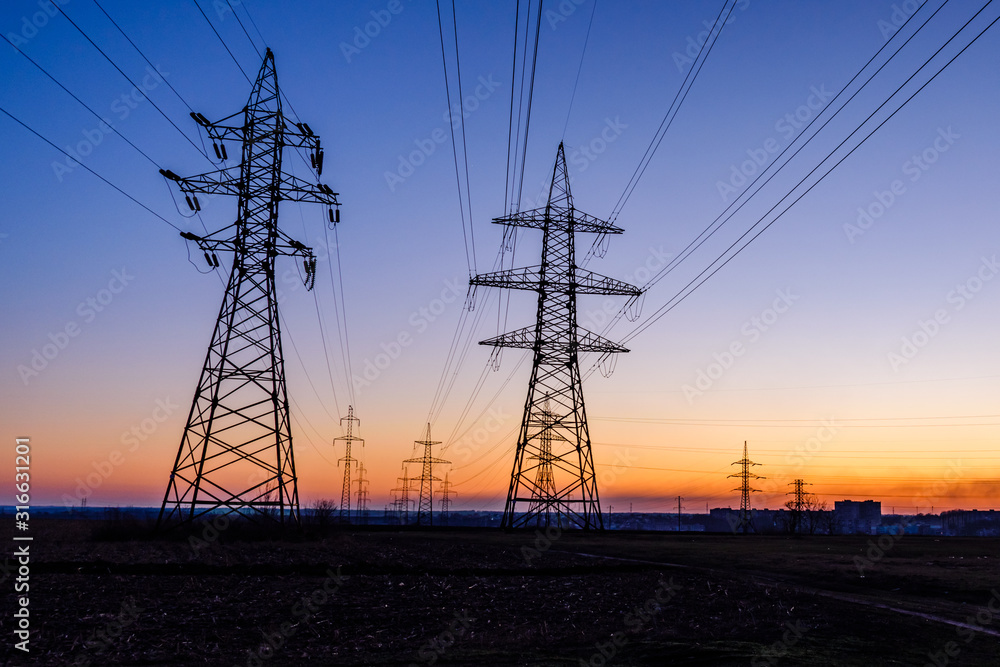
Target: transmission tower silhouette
pixel 361 513
pixel 236 452
pixel 348 440
pixel 798 503
pixel 401 504
pixel 446 494
pixel 556 342
pixel 544 508
pixel 745 475
pixel 425 501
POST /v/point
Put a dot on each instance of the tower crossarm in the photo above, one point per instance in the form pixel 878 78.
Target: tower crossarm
pixel 285 244
pixel 219 182
pixel 526 338
pixel 564 220
pixel 532 278
pixel 295 189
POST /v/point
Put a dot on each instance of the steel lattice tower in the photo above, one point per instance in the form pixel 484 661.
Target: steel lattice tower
pixel 446 494
pixel 402 502
pixel 362 510
pixel 556 342
pixel 236 451
pixel 745 475
pixel 345 494
pixel 798 503
pixel 544 480
pixel 425 501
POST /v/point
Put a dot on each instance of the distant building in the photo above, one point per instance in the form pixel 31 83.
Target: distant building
pixel 855 517
pixel 973 523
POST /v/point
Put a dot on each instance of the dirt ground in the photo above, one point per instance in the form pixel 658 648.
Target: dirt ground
pixel 105 594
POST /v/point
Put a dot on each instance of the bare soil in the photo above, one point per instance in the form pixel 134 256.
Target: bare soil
pixel 110 594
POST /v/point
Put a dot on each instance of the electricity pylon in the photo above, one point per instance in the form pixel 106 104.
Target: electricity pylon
pixel 798 503
pixel 402 501
pixel 361 512
pixel 446 494
pixel 544 480
pixel 236 451
pixel 556 342
pixel 345 494
pixel 425 501
pixel 745 475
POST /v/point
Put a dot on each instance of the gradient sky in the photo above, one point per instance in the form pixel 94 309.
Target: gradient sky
pixel 816 395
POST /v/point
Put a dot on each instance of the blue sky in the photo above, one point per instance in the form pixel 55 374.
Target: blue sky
pixel 857 296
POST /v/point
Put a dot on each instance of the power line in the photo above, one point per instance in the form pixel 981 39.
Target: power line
pixel 674 107
pixel 139 51
pixel 727 214
pixel 454 148
pixel 681 294
pixel 134 200
pixel 224 45
pixel 82 103
pixel 127 78
pixel 586 41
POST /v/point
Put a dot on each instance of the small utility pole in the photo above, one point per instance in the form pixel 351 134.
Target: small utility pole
pixel 679 499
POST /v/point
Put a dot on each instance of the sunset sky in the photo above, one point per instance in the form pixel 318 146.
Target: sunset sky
pixel 864 319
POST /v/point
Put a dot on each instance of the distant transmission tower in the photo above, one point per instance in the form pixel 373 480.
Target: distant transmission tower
pixel 544 508
pixel 345 494
pixel 236 451
pixel 446 494
pixel 401 504
pixel 556 342
pixel 798 503
pixel 745 475
pixel 425 502
pixel 362 510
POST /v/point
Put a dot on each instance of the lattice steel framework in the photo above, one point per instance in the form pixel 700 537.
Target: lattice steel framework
pixel 556 342
pixel 798 503
pixel 362 509
pixel 446 494
pixel 425 500
pixel 401 503
pixel 745 475
pixel 236 452
pixel 348 440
